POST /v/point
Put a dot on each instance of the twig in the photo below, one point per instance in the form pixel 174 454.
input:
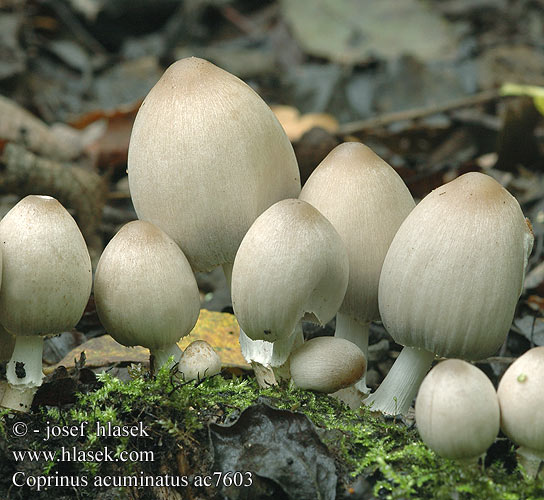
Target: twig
pixel 417 113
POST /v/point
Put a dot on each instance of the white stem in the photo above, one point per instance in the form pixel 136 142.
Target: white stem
pixel 227 271
pixel 400 386
pixel 24 372
pixel 356 332
pixel 531 460
pixel 24 369
pixel 270 359
pixel 161 356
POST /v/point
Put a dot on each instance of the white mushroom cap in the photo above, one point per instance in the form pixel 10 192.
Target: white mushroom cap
pixel 291 262
pixel 326 364
pixel 206 157
pixel 145 291
pixel 199 360
pixel 464 239
pixel 457 410
pixel 366 201
pixel 521 398
pixel 46 276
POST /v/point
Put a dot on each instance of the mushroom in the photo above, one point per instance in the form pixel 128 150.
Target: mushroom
pixel 46 283
pixel 366 201
pixel 290 263
pixel 521 398
pixel 206 157
pixel 145 291
pixel 450 281
pixel 199 360
pixel 457 410
pixel 326 364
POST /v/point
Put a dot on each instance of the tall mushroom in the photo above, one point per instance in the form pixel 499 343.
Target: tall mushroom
pixel 290 263
pixel 521 398
pixel 145 291
pixel 366 201
pixel 46 283
pixel 451 280
pixel 206 157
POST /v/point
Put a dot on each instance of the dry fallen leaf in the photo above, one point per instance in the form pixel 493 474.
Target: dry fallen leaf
pixel 296 125
pixel 218 329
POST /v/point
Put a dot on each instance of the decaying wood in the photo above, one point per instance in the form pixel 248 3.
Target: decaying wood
pixel 84 191
pixel 20 126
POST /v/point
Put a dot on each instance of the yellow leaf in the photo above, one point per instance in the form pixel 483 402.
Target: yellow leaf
pixel 537 93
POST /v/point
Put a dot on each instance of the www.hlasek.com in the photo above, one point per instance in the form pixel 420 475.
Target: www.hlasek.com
pixel 106 454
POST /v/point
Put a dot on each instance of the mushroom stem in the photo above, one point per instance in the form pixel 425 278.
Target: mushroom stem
pixel 400 386
pixel 349 329
pixel 531 460
pixel 24 372
pixel 270 360
pixel 161 356
pixel 227 271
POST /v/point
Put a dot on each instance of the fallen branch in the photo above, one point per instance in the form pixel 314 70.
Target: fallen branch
pixel 418 113
pixel 23 173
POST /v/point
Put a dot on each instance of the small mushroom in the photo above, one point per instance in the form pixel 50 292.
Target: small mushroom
pixel 366 201
pixel 521 398
pixel 145 291
pixel 327 364
pixel 450 281
pixel 46 283
pixel 199 360
pixel 457 410
pixel 290 263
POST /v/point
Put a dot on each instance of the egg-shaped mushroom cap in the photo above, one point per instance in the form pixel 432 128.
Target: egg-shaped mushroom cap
pixel 144 289
pixel 199 360
pixel 206 157
pixel 521 398
pixel 454 271
pixel 457 410
pixel 327 364
pixel 46 275
pixel 366 201
pixel 291 262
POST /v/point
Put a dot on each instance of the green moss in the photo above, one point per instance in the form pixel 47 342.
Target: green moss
pixel 388 454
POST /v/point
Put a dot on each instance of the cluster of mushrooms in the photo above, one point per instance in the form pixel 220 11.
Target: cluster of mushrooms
pixel 215 182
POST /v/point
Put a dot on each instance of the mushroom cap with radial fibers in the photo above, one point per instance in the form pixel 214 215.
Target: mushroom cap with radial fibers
pixel 145 291
pixel 291 262
pixel 327 364
pixel 457 410
pixel 46 275
pixel 206 157
pixel 521 398
pixel 199 360
pixel 366 201
pixel 454 271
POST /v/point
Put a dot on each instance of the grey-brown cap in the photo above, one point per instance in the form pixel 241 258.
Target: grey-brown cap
pixel 206 157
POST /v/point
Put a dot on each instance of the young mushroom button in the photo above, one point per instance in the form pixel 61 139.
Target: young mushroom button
pixel 457 410
pixel 451 280
pixel 521 398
